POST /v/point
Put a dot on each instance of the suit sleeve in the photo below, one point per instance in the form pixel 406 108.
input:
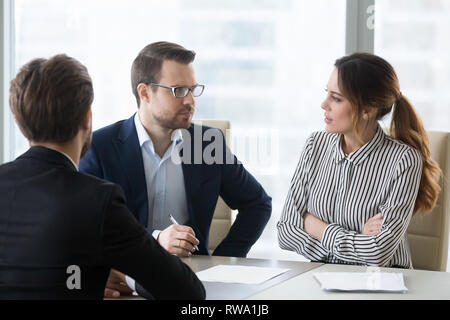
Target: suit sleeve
pixel 90 163
pixel 241 191
pixel 128 248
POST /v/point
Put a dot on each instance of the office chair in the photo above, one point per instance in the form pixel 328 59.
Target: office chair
pixel 428 235
pixel 222 218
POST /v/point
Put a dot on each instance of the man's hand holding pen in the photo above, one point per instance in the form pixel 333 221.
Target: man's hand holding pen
pixel 179 240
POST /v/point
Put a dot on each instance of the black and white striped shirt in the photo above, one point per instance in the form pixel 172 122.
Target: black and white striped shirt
pixel 347 190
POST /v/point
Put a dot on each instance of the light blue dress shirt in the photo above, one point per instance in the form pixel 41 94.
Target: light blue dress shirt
pixel 165 185
pixel 165 182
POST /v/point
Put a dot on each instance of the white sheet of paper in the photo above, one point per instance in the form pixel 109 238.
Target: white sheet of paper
pixel 239 274
pixel 367 281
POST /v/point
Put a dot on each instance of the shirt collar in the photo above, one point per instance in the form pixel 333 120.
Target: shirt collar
pixel 143 136
pixel 358 156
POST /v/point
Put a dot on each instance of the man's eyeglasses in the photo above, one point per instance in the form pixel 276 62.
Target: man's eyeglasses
pixel 180 91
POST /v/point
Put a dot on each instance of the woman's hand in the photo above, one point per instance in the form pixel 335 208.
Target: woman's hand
pixel 373 225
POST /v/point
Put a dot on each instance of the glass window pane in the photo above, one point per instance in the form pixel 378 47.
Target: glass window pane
pixel 413 37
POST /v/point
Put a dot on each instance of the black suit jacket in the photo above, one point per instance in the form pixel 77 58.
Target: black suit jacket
pixel 115 155
pixel 53 217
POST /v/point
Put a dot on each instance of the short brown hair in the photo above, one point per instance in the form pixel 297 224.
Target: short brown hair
pixel 50 97
pixel 147 65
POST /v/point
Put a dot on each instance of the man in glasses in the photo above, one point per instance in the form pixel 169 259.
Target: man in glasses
pixel 175 201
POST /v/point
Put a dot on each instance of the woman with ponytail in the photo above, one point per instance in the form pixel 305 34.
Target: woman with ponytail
pixel 356 187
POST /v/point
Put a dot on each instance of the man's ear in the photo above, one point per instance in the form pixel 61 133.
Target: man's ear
pixel 143 92
pixel 87 120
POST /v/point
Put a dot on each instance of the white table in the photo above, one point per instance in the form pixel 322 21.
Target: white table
pixel 236 291
pixel 423 285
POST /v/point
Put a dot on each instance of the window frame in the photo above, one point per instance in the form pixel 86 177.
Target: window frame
pixel 7 51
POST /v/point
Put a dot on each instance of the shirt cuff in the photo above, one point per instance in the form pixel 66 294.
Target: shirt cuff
pixel 329 236
pixel 155 234
pixel 130 282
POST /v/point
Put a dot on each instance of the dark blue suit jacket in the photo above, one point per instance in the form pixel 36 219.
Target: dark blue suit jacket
pixel 53 217
pixel 115 155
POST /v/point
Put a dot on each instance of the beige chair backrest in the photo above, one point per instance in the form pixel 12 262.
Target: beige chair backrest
pixel 222 218
pixel 428 235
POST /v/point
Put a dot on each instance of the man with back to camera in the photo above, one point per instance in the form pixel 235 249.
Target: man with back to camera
pixel 137 154
pixel 60 230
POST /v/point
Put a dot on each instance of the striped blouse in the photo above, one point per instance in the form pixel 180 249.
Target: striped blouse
pixel 345 191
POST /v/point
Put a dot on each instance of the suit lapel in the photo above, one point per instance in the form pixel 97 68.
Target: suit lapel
pixel 192 186
pixel 191 172
pixel 192 175
pixel 130 155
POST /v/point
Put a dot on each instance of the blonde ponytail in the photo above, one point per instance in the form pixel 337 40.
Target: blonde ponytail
pixel 407 126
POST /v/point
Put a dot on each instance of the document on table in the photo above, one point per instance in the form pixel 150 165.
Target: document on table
pixel 361 282
pixel 239 274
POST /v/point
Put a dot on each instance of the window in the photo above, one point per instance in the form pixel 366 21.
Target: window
pixel 419 28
